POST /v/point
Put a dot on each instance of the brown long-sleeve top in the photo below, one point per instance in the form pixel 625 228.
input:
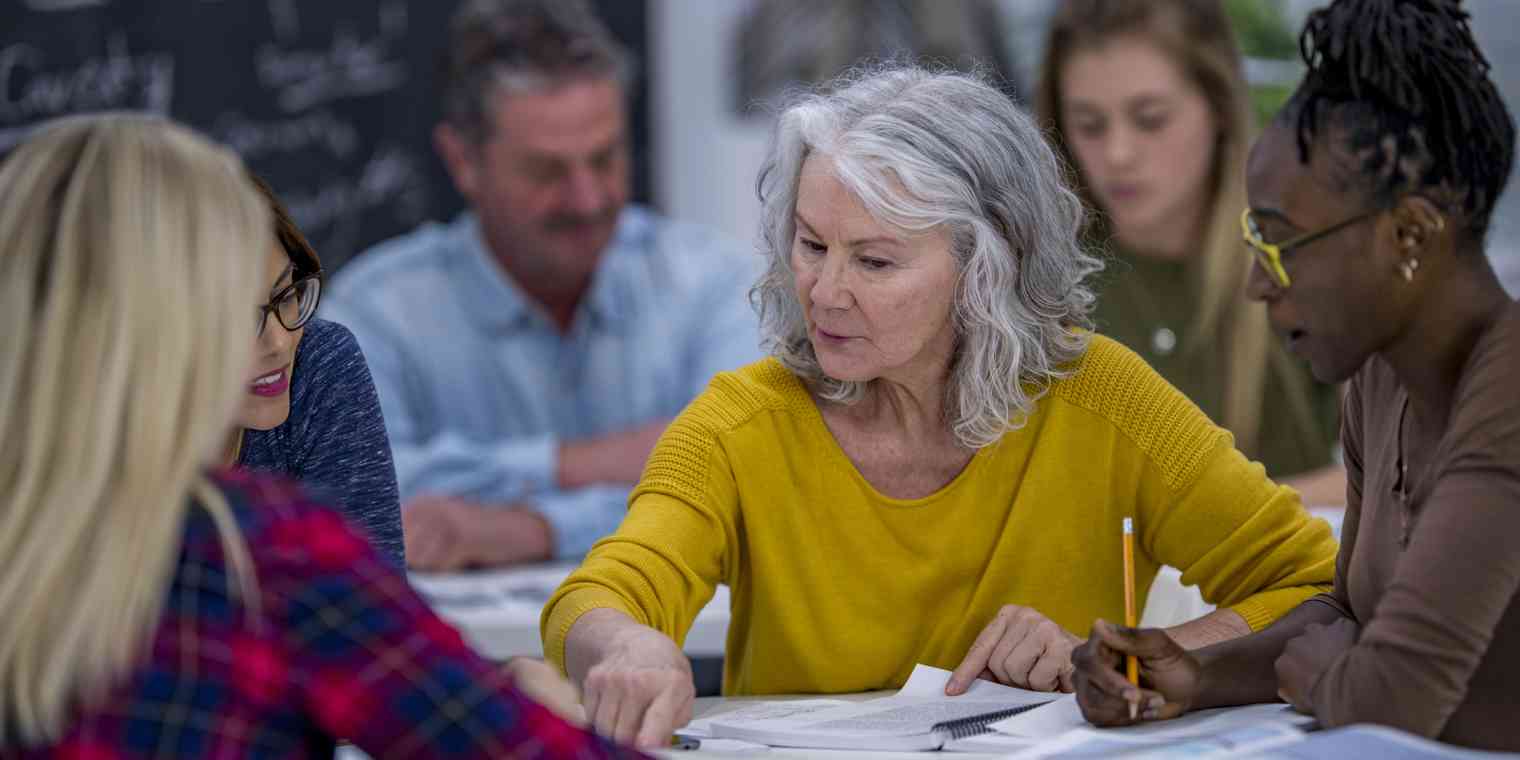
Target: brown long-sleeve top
pixel 1433 577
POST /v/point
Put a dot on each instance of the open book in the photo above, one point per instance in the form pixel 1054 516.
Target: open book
pixel 918 717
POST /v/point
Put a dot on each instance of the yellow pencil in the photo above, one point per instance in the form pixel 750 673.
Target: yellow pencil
pixel 1131 665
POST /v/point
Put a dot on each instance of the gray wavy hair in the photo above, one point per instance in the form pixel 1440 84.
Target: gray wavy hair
pixel 923 149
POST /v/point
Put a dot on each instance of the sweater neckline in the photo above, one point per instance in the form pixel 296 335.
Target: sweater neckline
pixel 821 433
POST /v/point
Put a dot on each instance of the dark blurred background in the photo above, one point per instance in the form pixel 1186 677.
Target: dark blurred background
pixel 331 102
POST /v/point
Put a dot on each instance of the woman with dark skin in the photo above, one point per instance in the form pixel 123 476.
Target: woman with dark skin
pixel 1370 199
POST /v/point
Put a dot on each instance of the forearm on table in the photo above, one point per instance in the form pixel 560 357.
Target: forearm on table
pixel 513 534
pixel 1241 671
pixel 1219 625
pixel 616 457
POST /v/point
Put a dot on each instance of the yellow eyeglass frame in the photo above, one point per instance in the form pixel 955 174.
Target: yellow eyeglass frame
pixel 1269 255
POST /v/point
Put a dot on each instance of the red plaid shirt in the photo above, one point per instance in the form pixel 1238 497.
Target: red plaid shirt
pixel 342 647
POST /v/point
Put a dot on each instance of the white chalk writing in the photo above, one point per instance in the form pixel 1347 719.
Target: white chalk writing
pixel 118 79
pixel 62 5
pixel 350 66
pixel 331 212
pixel 254 139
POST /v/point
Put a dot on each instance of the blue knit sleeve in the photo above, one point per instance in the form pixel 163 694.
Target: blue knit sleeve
pixel 338 443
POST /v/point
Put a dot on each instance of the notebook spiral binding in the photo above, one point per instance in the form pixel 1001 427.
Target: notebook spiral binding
pixel 976 725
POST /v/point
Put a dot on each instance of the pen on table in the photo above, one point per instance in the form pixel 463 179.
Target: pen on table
pixel 1131 665
pixel 684 741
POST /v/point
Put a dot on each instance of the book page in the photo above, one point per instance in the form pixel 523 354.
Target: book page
pixel 922 703
pixel 764 711
pixel 915 717
pixel 927 682
pixel 913 711
pixel 1044 722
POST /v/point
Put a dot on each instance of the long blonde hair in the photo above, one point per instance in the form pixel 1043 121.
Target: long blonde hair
pixel 1197 36
pixel 131 256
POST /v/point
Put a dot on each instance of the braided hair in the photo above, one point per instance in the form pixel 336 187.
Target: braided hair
pixel 1408 90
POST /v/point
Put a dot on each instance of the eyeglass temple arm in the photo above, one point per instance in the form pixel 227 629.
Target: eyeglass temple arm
pixel 1303 240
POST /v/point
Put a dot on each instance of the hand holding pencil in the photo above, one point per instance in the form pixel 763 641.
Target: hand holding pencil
pixel 1109 696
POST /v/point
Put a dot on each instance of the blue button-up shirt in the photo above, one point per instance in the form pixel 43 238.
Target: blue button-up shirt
pixel 479 386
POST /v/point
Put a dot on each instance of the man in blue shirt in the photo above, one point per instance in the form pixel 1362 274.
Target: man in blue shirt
pixel 529 353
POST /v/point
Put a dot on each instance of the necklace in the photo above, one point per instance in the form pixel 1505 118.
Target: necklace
pixel 1160 337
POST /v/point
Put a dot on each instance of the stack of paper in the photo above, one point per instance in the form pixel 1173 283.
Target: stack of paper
pixel 912 719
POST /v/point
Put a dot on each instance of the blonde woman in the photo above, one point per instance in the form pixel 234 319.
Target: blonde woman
pixel 1147 101
pixel 151 609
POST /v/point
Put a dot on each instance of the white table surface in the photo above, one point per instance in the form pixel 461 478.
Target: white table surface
pixel 497 610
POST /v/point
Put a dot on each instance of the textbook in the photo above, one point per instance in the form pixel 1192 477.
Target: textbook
pixel 918 717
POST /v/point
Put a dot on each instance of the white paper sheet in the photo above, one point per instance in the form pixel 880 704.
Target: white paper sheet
pixel 1059 728
pixel 1044 722
pixel 767 711
pixel 911 712
pixel 1100 743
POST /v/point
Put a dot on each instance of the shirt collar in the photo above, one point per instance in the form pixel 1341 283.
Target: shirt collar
pixel 499 303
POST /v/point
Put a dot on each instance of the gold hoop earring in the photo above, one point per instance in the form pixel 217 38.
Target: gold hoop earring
pixel 1408 268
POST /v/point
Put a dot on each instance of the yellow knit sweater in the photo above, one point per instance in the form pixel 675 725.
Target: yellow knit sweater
pixel 837 588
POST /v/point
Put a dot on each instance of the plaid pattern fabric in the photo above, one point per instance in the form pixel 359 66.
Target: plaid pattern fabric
pixel 341 647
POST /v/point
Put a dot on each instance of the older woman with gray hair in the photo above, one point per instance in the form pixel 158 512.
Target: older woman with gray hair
pixel 934 464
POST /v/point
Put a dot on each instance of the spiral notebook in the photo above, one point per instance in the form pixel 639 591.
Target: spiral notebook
pixel 919 717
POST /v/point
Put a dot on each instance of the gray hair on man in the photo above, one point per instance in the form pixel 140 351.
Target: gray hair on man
pixel 522 46
pixel 923 149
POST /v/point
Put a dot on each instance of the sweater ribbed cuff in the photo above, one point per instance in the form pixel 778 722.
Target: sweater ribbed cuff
pixel 559 620
pixel 1263 609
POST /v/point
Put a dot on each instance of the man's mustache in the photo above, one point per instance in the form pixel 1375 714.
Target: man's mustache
pixel 573 222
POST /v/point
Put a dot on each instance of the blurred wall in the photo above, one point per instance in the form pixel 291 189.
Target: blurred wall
pixel 707 155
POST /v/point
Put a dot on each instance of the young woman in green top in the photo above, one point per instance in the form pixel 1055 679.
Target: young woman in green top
pixel 1148 104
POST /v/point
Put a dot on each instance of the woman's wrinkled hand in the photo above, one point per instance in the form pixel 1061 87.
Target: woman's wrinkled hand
pixel 641 691
pixel 1020 647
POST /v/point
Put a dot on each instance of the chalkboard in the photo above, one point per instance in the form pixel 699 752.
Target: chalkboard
pixel 332 102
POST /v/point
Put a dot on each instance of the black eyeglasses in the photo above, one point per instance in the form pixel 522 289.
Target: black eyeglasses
pixel 294 305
